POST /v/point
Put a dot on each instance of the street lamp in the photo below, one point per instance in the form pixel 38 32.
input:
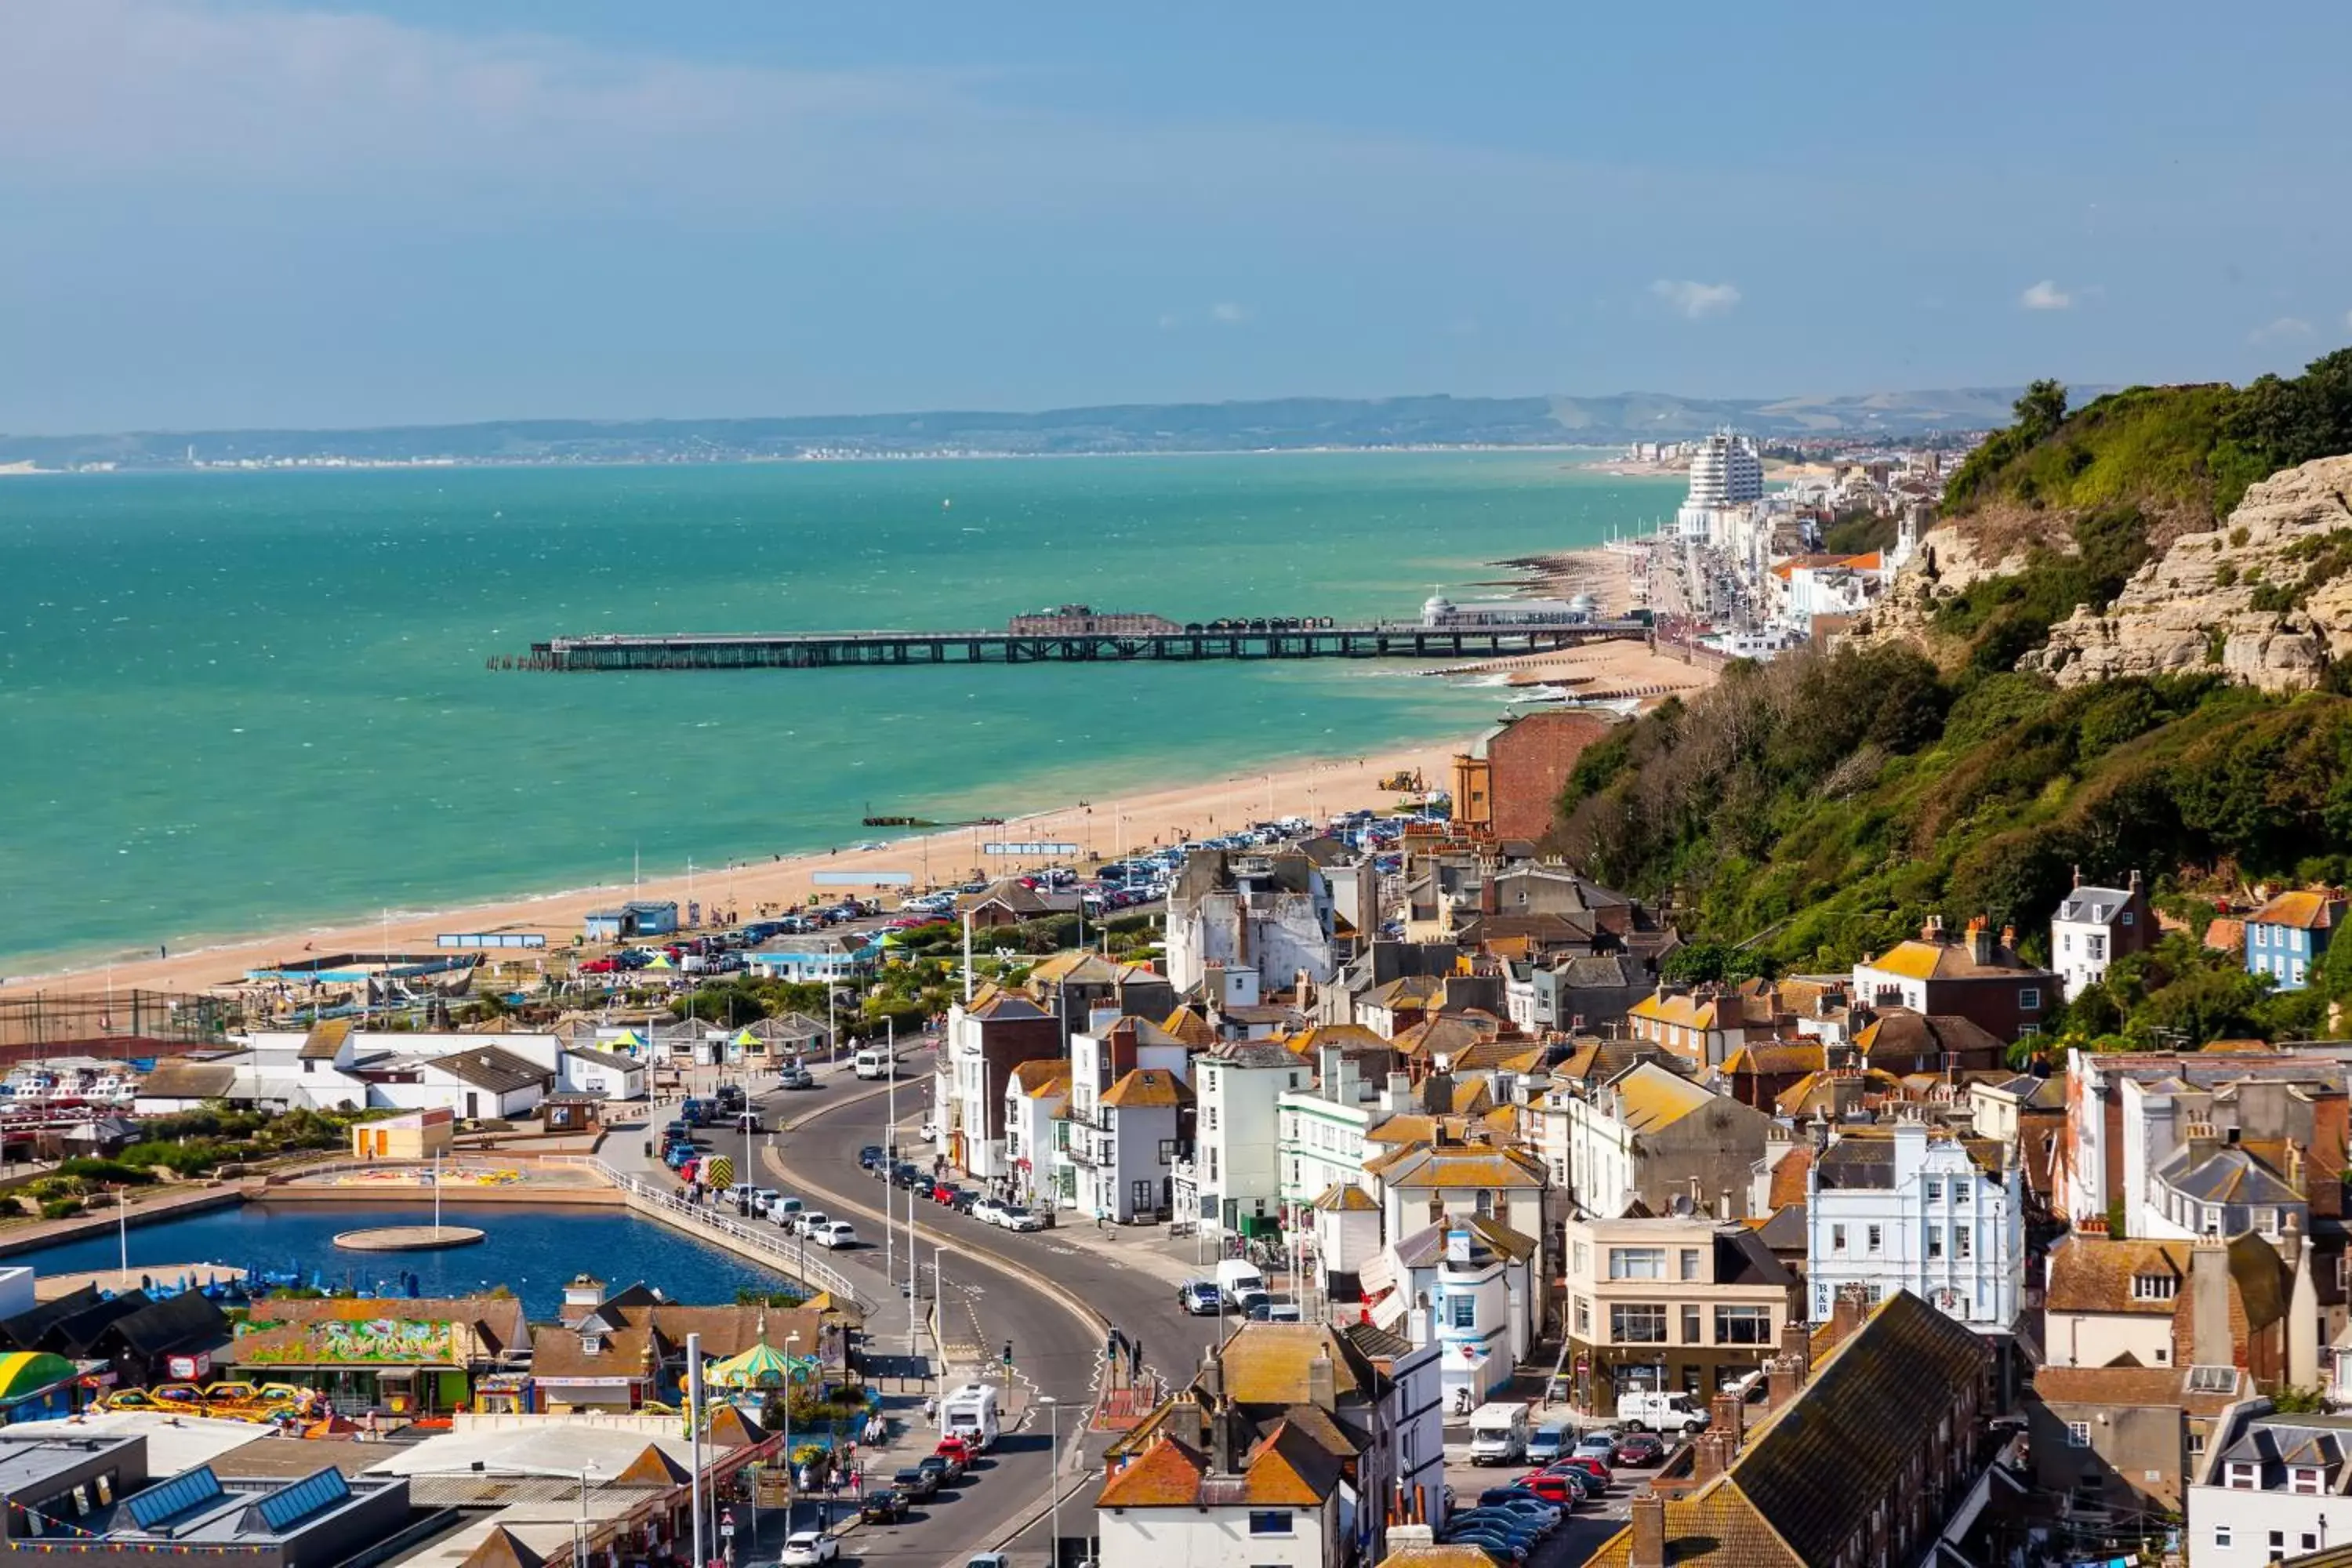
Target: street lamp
pixel 792 1476
pixel 1053 1477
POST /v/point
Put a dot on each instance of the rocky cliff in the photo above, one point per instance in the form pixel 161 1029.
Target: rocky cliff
pixel 2266 597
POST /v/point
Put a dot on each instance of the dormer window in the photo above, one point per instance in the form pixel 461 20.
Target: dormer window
pixel 592 1343
pixel 2244 1479
pixel 2154 1287
pixel 2305 1480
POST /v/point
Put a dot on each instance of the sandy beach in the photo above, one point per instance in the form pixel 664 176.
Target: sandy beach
pixel 1102 828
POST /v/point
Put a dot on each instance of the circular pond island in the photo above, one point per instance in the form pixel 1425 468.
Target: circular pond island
pixel 409 1239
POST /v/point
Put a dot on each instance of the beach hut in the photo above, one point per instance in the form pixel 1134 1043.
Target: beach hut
pixel 35 1385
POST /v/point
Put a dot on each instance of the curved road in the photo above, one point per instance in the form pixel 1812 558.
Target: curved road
pixel 1050 1299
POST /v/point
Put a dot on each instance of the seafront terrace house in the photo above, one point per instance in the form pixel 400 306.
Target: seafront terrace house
pixel 1290 1446
pixel 1692 1305
pixel 2272 1488
pixel 986 1039
pixel 1325 1123
pixel 1456 1176
pixel 1123 1133
pixel 1037 1095
pixel 1467 1286
pixel 1904 1208
pixel 1234 1173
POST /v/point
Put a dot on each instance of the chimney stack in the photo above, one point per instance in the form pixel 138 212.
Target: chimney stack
pixel 1780 1377
pixel 1980 942
pixel 1797 1350
pixel 1320 1383
pixel 1847 1313
pixel 1729 1412
pixel 1707 1459
pixel 1649 1546
pixel 2209 1305
pixel 1221 1438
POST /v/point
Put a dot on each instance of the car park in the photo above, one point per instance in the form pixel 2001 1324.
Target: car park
pixel 808 1548
pixel 888 1505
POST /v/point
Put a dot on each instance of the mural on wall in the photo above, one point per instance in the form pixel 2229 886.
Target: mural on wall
pixel 389 1340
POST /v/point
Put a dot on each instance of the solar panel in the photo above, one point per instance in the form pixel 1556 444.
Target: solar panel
pixel 304 1498
pixel 175 1497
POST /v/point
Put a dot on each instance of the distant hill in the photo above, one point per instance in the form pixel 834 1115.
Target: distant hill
pixel 1281 424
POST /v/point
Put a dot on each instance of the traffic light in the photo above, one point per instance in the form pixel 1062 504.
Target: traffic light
pixel 1008 1352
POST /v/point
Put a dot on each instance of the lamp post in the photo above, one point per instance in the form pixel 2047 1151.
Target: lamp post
pixel 1053 1477
pixel 791 1475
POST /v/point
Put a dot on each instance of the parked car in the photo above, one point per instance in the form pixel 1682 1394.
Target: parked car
pixel 1593 1468
pixel 1493 1542
pixel 807 1549
pixel 839 1234
pixel 957 1453
pixel 888 1505
pixel 871 1156
pixel 795 1076
pixel 810 1222
pixel 1199 1297
pixel 962 1200
pixel 1559 1489
pixel 988 1209
pixel 1519 1499
pixel 917 1482
pixel 1638 1450
pixel 1585 1483
pixel 936 1468
pixel 1015 1218
pixel 1593 1446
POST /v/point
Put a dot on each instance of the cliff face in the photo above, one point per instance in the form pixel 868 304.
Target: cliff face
pixel 2266 597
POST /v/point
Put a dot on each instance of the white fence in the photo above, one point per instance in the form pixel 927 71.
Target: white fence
pixel 788 1254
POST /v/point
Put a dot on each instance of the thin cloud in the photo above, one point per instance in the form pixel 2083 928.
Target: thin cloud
pixel 2046 296
pixel 2279 331
pixel 1225 313
pixel 1697 302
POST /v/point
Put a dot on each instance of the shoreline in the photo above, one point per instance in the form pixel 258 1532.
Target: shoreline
pixel 1311 786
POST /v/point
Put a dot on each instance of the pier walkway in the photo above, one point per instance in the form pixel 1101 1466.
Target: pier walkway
pixel 1214 640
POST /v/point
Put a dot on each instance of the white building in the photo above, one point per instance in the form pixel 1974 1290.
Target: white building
pixel 1036 1097
pixel 1272 912
pixel 588 1071
pixel 1904 1209
pixel 1464 1286
pixel 1236 1168
pixel 2265 1489
pixel 1123 1126
pixel 2094 927
pixel 1725 472
pixel 1322 1131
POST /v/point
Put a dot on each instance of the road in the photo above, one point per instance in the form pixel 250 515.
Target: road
pixel 998 1290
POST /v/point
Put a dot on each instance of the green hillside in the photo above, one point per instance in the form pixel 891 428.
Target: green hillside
pixel 1803 813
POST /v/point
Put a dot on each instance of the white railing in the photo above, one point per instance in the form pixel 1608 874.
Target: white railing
pixel 790 1257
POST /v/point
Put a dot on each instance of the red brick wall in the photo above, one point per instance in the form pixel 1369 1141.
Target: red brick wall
pixel 1530 762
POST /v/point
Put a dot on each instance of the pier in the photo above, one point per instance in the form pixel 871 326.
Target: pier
pixel 1254 640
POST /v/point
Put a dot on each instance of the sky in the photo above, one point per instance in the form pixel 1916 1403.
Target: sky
pixel 231 214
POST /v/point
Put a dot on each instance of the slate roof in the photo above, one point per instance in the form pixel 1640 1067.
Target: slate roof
pixel 2086 905
pixel 2226 1175
pixel 1254 1054
pixel 492 1067
pixel 177 1079
pixel 1900 1031
pixel 1863 1157
pixel 607 1059
pixel 1425 1247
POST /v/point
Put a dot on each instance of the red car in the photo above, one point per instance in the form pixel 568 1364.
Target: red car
pixel 1551 1487
pixel 1639 1449
pixel 1593 1468
pixel 599 967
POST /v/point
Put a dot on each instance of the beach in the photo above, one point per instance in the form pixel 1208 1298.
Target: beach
pixel 1102 828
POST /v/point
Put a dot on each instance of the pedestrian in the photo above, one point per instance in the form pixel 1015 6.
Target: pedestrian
pixel 931 1410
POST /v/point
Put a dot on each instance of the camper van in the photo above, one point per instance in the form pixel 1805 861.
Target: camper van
pixel 873 1063
pixel 1498 1434
pixel 969 1412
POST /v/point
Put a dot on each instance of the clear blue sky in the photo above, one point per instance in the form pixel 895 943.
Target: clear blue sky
pixel 220 213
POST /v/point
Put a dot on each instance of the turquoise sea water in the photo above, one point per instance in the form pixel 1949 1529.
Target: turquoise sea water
pixel 237 702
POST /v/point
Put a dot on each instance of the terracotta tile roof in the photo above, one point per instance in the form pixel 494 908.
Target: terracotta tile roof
pixel 2307 910
pixel 1437 1557
pixel 1267 1364
pixel 1687 1012
pixel 1046 1075
pixel 1717 1525
pixel 2225 934
pixel 1167 1474
pixel 1650 1098
pixel 1147 1089
pixel 1190 1028
pixel 1467 1167
pixel 1290 1470
pixel 1346 1197
pixel 1921 960
pixel 1775 1057
pixel 1789 1177
pixel 2094 1274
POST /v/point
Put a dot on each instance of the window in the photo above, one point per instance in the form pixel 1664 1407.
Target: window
pixel 1584 1259
pixel 2154 1287
pixel 1583 1318
pixel 1637 1263
pixel 1465 1311
pixel 2096 945
pixel 1743 1325
pixel 1690 1263
pixel 1963 1241
pixel 2278 1541
pixel 1935 1190
pixel 1961 1188
pixel 2310 1541
pixel 2305 1479
pixel 2243 1479
pixel 1874 1237
pixel 1269 1521
pixel 2078 1434
pixel 2029 999
pixel 2127 919
pixel 1209 1119
pixel 1934 1241
pixel 1638 1324
pixel 1837 1238
pixel 2221 1537
pixel 2261 936
pixel 1694 1332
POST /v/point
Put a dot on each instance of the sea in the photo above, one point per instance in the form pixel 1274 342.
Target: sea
pixel 240 701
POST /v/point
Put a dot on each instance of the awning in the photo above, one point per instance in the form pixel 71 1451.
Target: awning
pixel 1389 1310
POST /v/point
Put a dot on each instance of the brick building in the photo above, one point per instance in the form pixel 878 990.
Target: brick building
pixel 1509 783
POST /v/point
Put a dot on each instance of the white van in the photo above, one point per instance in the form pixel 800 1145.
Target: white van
pixel 969 1412
pixel 874 1063
pixel 1640 1409
pixel 1498 1434
pixel 1235 1276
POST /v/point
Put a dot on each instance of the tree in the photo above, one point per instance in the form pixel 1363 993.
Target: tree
pixel 2041 410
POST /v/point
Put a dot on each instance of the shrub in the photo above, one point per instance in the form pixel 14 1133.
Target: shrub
pixel 60 1208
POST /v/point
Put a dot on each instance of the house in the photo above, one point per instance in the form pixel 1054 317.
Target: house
pixel 1704 1027
pixel 1456 1178
pixel 1507 785
pixel 2287 936
pixel 605 1074
pixel 770 1043
pixel 631 921
pixel 1325 1121
pixel 1468 1287
pixel 1009 902
pixel 2094 926
pixel 620 1351
pixel 1976 975
pixel 986 1038
pixel 1287 1449
pixel 827 957
pixel 1036 1094
pixel 182 1083
pixel 1125 1141
pixel 1268 911
pixel 1862 1452
pixel 1577 993
pixel 1236 1168
pixel 1898 1041
pixel 1670 1304
pixel 2266 1487
pixel 487 1084
pixel 1904 1208
pixel 1346 1224
pixel 1646 1138
pixel 1077 986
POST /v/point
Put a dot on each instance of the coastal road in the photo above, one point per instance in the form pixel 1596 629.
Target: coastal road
pixel 1035 1290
